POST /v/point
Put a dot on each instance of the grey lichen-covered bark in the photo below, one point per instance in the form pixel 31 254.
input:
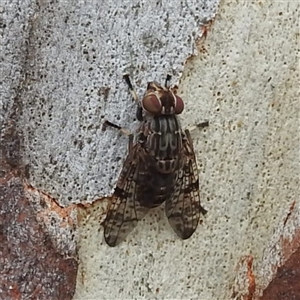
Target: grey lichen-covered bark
pixel 75 57
pixel 71 56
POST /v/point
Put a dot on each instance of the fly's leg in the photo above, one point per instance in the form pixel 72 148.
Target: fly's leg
pixel 122 130
pixel 131 89
pixel 139 112
pixel 203 124
pixel 199 125
pixel 187 134
pixel 167 81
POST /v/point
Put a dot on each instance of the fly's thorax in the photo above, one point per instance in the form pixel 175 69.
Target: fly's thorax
pixel 163 141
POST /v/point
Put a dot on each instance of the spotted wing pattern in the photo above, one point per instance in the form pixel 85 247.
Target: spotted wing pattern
pixel 125 211
pixel 183 208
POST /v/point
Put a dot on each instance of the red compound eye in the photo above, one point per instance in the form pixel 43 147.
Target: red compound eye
pixel 178 105
pixel 152 104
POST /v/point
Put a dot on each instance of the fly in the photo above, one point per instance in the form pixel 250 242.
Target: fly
pixel 160 167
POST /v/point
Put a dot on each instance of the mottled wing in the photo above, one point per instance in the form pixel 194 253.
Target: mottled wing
pixel 125 211
pixel 183 208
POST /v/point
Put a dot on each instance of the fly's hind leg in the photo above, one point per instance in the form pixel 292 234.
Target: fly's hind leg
pixel 122 130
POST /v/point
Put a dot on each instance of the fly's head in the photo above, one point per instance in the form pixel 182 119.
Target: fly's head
pixel 160 100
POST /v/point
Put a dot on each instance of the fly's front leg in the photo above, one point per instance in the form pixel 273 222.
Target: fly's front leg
pixel 131 89
pixel 167 81
pixel 122 130
pixel 139 112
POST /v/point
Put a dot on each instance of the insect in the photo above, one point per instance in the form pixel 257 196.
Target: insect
pixel 160 167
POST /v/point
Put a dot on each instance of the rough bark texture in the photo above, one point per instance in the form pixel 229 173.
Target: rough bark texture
pixel 61 75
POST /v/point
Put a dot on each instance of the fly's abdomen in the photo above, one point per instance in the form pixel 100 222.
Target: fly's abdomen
pixel 154 188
